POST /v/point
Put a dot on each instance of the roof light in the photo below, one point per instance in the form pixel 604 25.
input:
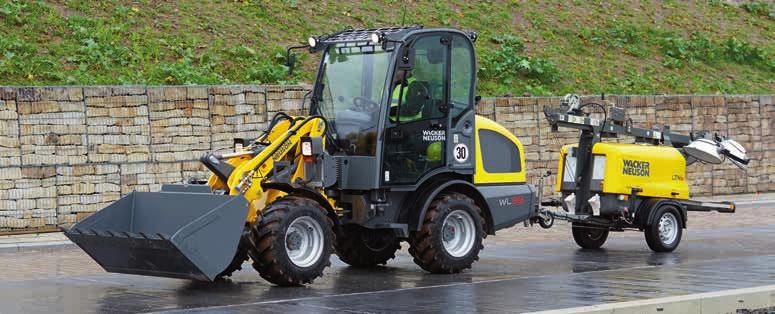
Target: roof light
pixel 375 37
pixel 312 41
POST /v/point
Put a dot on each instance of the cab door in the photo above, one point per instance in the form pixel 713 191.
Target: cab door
pixel 416 133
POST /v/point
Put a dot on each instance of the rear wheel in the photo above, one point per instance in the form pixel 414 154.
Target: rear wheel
pixel 291 241
pixel 451 235
pixel 363 247
pixel 589 237
pixel 664 234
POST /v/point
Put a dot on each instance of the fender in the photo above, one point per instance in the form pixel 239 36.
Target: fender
pixel 293 189
pixel 647 210
pixel 460 186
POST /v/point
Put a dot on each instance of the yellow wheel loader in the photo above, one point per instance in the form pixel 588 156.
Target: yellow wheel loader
pixel 392 150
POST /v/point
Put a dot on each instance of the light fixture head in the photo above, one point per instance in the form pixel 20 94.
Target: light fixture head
pixel 375 37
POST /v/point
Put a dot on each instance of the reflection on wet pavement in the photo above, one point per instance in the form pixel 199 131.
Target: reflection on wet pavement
pixel 508 278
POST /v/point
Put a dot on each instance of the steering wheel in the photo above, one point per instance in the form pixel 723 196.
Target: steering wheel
pixel 364 104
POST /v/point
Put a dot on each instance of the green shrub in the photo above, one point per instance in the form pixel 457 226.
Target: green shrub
pixel 742 52
pixel 618 35
pixel 509 63
pixel 760 8
pixel 680 51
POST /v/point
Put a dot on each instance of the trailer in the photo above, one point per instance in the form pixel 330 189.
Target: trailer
pixel 610 186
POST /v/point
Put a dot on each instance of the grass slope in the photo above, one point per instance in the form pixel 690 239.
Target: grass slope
pixel 538 47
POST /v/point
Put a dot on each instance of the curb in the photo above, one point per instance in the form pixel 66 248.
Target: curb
pixel 727 301
pixel 32 246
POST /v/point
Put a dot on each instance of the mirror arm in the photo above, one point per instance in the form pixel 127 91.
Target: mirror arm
pixel 290 60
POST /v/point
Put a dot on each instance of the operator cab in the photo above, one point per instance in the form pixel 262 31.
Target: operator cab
pixel 403 96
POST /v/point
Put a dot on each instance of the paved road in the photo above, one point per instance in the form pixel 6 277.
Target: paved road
pixel 510 277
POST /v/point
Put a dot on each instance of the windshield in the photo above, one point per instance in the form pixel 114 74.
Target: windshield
pixel 353 82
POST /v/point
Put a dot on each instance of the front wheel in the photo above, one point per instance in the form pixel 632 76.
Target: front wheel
pixel 292 241
pixel 664 234
pixel 451 235
pixel 589 237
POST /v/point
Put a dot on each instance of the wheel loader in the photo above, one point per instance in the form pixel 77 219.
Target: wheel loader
pixel 391 150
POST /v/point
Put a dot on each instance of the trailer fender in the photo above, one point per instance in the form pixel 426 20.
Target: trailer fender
pixel 647 210
pixel 459 186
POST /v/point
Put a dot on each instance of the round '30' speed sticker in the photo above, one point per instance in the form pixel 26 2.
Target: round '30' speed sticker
pixel 461 153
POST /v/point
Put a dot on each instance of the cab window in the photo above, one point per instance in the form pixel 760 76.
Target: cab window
pixel 461 76
pixel 418 93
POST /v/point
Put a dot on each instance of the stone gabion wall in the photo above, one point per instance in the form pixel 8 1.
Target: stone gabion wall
pixel 66 152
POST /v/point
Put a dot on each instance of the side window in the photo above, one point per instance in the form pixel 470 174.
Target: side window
pixel 461 76
pixel 501 155
pixel 418 93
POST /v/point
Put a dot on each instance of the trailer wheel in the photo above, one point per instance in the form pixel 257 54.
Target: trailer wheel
pixel 292 241
pixel 589 237
pixel 664 233
pixel 451 235
pixel 362 247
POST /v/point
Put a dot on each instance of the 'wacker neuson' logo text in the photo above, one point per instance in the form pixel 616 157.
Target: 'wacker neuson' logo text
pixel 434 135
pixel 635 168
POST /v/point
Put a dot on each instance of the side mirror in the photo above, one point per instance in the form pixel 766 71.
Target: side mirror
pixel 290 62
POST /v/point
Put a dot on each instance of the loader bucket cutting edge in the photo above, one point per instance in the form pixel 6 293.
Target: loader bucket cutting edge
pixel 164 234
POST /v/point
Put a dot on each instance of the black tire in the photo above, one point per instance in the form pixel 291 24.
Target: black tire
pixel 652 232
pixel 427 244
pixel 239 257
pixel 589 237
pixel 268 241
pixel 362 247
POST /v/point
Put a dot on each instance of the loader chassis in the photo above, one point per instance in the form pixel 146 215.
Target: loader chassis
pixel 391 151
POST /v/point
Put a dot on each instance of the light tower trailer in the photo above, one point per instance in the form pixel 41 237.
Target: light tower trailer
pixel 607 186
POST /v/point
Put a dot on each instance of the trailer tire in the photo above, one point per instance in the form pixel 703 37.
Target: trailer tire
pixel 588 237
pixel 289 224
pixel 362 247
pixel 664 233
pixel 436 247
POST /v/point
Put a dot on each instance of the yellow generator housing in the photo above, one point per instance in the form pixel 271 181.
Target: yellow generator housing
pixel 658 171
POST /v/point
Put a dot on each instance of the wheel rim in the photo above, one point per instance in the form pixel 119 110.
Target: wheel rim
pixel 304 241
pixel 458 233
pixel 668 228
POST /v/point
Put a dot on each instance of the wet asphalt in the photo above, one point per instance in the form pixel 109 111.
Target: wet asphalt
pixel 515 277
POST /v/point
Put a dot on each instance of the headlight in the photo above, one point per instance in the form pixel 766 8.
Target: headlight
pixel 375 38
pixel 306 148
pixel 312 41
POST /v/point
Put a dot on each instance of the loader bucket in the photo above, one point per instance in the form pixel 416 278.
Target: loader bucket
pixel 165 234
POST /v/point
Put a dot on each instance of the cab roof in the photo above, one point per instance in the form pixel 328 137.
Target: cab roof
pixel 391 33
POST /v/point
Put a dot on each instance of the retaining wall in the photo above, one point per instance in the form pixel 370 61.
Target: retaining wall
pixel 66 152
